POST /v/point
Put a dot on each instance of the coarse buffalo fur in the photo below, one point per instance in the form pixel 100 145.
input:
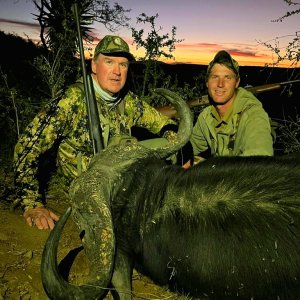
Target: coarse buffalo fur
pixel 228 228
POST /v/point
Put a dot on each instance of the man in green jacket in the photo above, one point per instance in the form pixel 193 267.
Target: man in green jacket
pixel 64 125
pixel 235 124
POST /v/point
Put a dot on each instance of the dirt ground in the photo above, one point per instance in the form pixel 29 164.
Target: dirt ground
pixel 20 256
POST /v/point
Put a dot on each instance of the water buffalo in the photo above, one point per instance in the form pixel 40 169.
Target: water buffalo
pixel 228 228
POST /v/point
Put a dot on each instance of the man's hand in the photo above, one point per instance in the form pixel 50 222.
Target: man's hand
pixel 41 217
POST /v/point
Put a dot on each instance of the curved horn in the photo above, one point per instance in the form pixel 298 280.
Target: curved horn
pixel 90 198
pixel 185 123
pixel 55 285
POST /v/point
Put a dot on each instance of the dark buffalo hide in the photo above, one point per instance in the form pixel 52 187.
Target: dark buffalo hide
pixel 228 228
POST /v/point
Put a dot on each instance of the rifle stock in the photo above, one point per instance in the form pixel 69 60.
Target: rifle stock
pixel 170 111
pixel 95 130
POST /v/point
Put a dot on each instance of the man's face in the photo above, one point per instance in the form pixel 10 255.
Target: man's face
pixel 110 72
pixel 222 83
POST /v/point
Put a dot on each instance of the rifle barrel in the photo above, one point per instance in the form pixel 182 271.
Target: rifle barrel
pixel 269 87
pixel 92 109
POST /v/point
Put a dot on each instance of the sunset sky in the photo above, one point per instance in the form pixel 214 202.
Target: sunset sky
pixel 238 26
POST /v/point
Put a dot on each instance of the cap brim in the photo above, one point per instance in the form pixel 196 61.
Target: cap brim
pixel 222 57
pixel 129 56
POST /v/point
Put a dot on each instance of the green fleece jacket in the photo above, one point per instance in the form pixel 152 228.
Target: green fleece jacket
pixel 245 132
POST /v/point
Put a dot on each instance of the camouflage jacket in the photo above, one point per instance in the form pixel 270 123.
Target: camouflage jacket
pixel 65 124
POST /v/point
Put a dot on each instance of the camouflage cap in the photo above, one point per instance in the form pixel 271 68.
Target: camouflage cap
pixel 224 58
pixel 113 45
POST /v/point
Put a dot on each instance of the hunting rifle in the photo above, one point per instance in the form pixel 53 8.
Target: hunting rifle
pixel 170 111
pixel 95 130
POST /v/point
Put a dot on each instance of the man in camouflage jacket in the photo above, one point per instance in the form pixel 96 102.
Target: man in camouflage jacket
pixel 65 124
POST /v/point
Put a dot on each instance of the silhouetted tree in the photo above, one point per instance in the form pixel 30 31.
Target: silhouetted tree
pixel 156 46
pixel 290 13
pixel 56 18
pixel 59 29
pixel 288 128
pixel 291 52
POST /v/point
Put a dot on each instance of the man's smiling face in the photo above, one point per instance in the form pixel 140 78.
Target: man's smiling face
pixel 222 83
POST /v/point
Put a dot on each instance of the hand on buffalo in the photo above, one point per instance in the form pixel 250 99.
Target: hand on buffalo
pixel 41 217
